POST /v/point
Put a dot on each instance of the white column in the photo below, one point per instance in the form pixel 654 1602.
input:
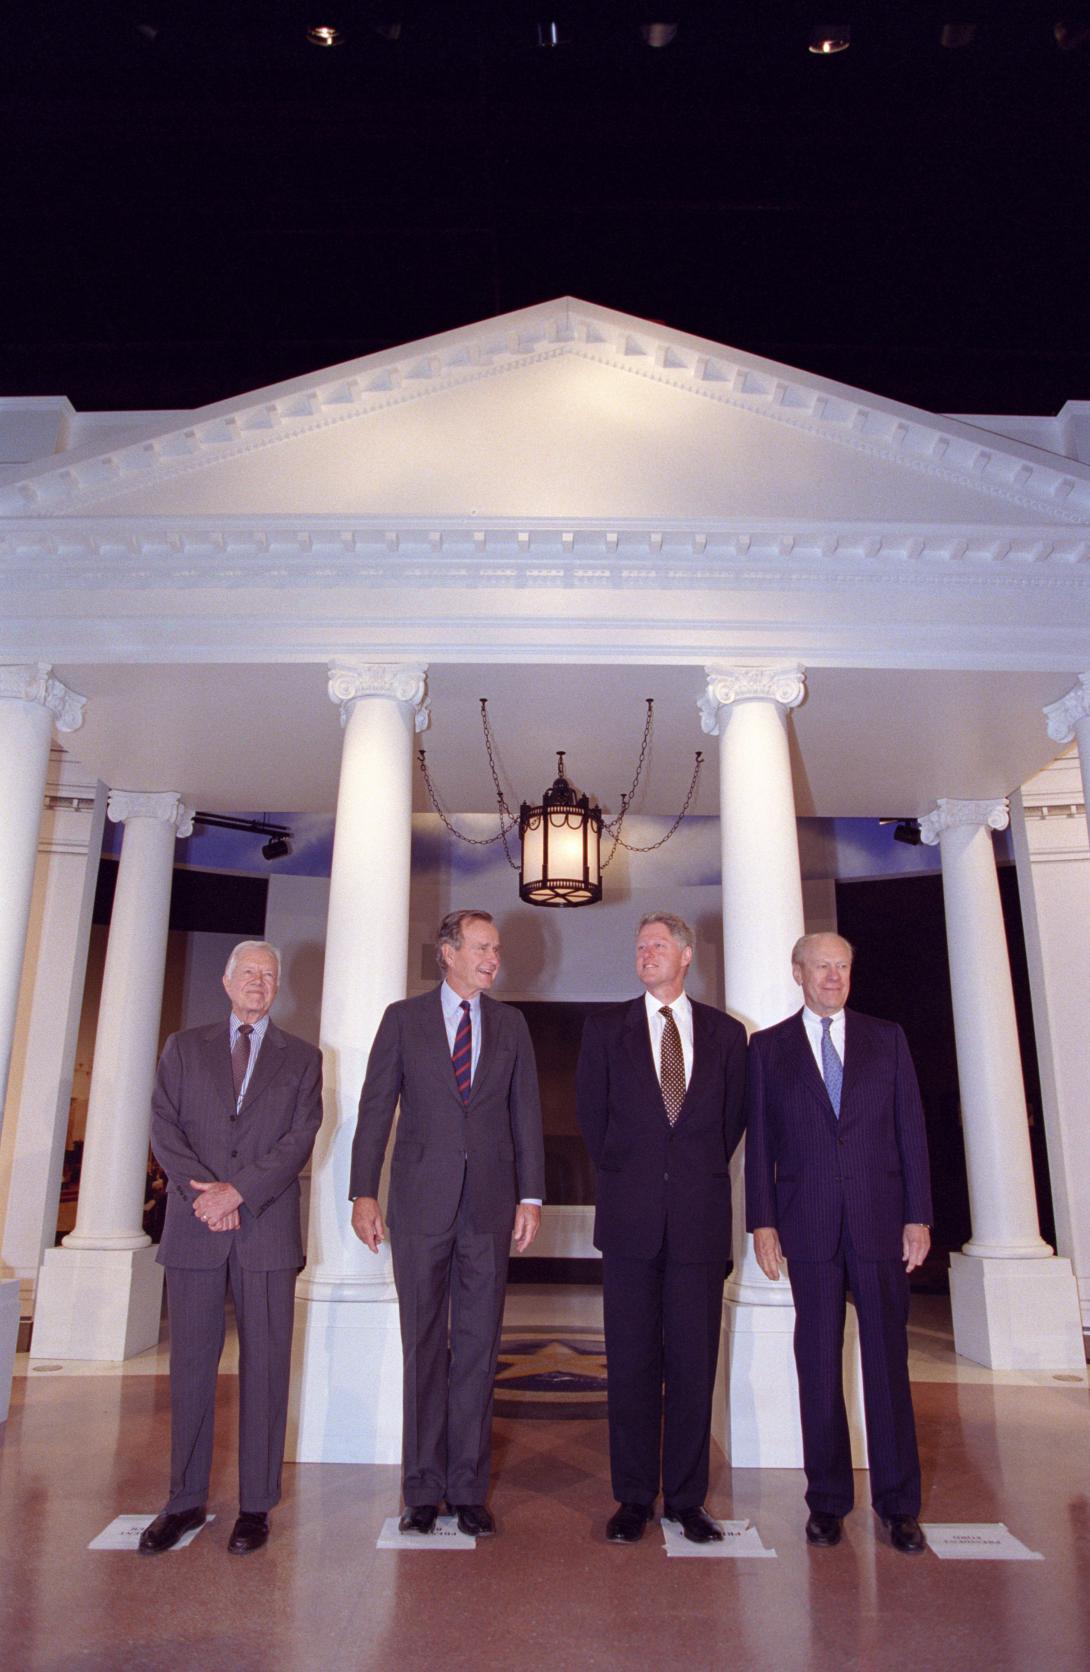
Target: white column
pixel 1013 1304
pixel 347 1387
pixel 757 1407
pixel 100 1294
pixel 31 701
pixel 1052 853
pixel 1070 718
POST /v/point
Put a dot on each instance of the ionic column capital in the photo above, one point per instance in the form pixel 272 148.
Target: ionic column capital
pixel 134 804
pixel 36 682
pixel 1064 715
pixel 783 683
pixel 405 682
pixel 949 814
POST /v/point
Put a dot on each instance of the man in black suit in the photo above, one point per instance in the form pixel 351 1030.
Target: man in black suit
pixel 235 1112
pixel 837 1183
pixel 468 1170
pixel 659 1090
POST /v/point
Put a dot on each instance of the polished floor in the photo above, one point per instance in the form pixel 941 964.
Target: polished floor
pixel 86 1443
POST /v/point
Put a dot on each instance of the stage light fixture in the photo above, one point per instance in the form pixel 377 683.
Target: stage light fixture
pixel 324 34
pixel 658 34
pixel 827 38
pixel 278 847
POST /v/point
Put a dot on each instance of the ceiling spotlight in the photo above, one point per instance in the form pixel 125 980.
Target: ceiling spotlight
pixel 957 34
pixel 827 38
pixel 278 847
pixel 551 34
pixel 658 34
pixel 326 35
pixel 908 831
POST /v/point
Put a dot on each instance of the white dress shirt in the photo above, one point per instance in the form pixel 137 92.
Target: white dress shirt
pixel 682 1012
pixel 812 1024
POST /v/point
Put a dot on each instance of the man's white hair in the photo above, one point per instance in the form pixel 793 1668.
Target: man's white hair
pixel 251 946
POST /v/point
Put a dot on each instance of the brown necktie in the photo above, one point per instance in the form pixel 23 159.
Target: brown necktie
pixel 240 1057
pixel 671 1066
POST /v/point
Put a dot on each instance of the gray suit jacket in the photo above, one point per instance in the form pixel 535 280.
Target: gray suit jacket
pixel 493 1146
pixel 196 1134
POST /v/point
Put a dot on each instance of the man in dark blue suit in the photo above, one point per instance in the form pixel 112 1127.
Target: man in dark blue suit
pixel 837 1184
pixel 659 1093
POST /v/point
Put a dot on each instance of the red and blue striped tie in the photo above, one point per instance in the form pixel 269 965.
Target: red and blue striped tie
pixel 462 1055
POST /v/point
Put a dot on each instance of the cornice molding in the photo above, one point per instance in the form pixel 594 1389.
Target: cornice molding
pixel 36 682
pixel 783 683
pixel 918 441
pixel 404 682
pixel 1063 716
pixel 950 815
pixel 123 805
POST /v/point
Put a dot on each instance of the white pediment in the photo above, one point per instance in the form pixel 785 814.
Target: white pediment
pixel 564 412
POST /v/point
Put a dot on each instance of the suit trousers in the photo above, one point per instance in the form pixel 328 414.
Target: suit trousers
pixel 264 1311
pixel 450 1292
pixel 663 1321
pixel 880 1291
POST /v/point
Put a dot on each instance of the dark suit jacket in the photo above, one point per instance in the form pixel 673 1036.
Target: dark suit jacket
pixel 806 1171
pixel 195 1135
pixel 493 1145
pixel 654 1178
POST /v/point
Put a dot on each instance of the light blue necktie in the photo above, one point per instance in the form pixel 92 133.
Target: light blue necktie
pixel 832 1068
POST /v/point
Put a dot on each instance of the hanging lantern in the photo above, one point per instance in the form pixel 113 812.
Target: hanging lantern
pixel 561 842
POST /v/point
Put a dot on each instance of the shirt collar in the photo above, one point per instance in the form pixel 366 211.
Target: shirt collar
pixel 260 1029
pixel 452 1001
pixel 678 1007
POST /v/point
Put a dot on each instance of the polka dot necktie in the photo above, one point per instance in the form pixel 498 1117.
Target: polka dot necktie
pixel 671 1066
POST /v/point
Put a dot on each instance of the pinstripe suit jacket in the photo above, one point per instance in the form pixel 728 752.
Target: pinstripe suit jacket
pixel 806 1171
pixel 261 1150
pixel 655 1179
pixel 493 1145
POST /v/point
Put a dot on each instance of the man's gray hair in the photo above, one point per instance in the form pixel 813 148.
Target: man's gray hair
pixel 450 931
pixel 251 946
pixel 669 920
pixel 805 942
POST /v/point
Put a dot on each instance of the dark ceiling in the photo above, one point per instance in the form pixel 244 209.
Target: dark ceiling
pixel 205 203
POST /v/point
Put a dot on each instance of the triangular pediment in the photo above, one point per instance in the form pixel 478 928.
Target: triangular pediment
pixel 565 412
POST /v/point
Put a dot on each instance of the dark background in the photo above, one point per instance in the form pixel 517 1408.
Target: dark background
pixel 198 202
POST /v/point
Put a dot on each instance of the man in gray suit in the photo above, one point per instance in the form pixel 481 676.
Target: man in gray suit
pixel 235 1111
pixel 468 1170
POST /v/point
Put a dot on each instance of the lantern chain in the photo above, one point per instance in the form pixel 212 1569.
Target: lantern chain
pixel 651 846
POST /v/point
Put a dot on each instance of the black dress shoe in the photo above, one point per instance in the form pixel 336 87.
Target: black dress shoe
pixel 165 1531
pixel 474 1520
pixel 626 1527
pixel 250 1532
pixel 418 1518
pixel 822 1528
pixel 696 1524
pixel 905 1533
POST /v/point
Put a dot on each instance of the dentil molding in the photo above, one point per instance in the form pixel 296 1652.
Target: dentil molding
pixel 134 804
pixel 36 682
pixel 404 682
pixel 784 683
pixel 1064 715
pixel 950 814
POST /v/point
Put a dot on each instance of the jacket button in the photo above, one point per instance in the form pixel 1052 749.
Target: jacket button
pixel 666 1178
pixel 842 1140
pixel 234 1154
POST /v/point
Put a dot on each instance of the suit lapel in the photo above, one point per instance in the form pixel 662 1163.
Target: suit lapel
pixel 702 1050
pixel 805 1066
pixel 270 1060
pixel 217 1043
pixel 857 1057
pixel 638 1038
pixel 491 1016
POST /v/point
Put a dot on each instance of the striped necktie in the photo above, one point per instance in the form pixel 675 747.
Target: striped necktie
pixel 832 1069
pixel 462 1055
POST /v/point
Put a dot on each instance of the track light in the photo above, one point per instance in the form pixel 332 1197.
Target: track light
pixel 658 34
pixel 827 38
pixel 908 831
pixel 324 34
pixel 278 847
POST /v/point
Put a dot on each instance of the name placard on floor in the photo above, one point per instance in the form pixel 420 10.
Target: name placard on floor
pixel 124 1531
pixel 740 1538
pixel 445 1536
pixel 977 1541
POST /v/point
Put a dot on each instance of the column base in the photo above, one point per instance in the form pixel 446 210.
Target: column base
pixel 346 1383
pixel 9 1337
pixel 755 1414
pixel 1016 1314
pixel 101 1304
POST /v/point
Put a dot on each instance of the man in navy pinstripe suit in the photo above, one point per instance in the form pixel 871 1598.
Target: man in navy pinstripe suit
pixel 837 1184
